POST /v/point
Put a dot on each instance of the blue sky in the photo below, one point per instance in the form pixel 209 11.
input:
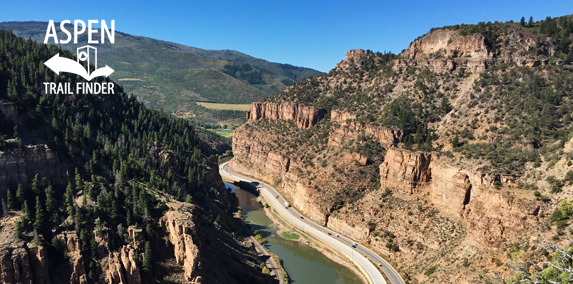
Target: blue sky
pixel 313 34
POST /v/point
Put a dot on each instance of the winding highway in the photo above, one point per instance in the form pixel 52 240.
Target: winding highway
pixel 361 256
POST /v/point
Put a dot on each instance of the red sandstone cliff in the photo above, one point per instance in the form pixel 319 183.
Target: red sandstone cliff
pixel 303 116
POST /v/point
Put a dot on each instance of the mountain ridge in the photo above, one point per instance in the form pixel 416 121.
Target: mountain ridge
pixel 452 157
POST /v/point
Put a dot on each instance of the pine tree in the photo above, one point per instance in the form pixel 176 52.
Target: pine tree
pixel 16 134
pixel 84 241
pixel 91 274
pixel 148 258
pixel 69 200
pixel 19 229
pixel 11 202
pixel 522 22
pixel 93 248
pixel 35 185
pixel 27 213
pixel 530 23
pixel 20 194
pixel 39 222
pixel 78 181
pixel 129 217
pixel 50 200
pixel 17 137
pixel 135 209
pixel 456 142
pixel 114 208
pixel 445 105
pixel 149 229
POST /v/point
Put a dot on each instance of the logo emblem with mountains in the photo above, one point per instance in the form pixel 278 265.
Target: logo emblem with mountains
pixel 61 64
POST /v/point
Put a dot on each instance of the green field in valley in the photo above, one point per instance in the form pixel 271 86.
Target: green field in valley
pixel 225 132
pixel 241 107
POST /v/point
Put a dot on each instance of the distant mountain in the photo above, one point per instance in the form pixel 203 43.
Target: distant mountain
pixel 173 76
pixel 293 72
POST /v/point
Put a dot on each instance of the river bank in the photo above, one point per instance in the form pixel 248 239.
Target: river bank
pixel 304 263
pixel 307 240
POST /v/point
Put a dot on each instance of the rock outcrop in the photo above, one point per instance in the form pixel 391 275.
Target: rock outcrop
pixel 24 264
pixel 20 166
pixel 405 170
pixel 448 43
pixel 352 57
pixel 181 229
pixel 128 259
pixel 79 275
pixel 21 262
pixel 446 51
pixel 10 111
pixel 303 116
pixel 351 129
pixel 490 214
pixel 114 273
pixel 120 268
pixel 357 232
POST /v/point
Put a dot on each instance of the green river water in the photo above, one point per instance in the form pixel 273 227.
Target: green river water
pixel 303 264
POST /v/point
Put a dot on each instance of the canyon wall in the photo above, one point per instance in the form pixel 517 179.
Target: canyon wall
pixel 23 263
pixel 278 171
pixel 255 157
pixel 20 166
pixel 303 116
pixel 419 206
pixel 490 214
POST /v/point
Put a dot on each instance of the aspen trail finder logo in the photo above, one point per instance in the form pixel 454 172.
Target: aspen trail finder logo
pixel 86 54
pixel 61 64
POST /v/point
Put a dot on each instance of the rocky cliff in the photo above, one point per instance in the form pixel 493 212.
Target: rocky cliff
pixel 449 43
pixel 303 116
pixel 447 51
pixel 206 253
pixel 490 214
pixel 25 262
pixel 21 262
pixel 180 227
pixel 405 170
pixel 19 166
pixel 351 129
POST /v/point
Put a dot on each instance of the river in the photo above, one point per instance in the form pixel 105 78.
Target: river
pixel 303 264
